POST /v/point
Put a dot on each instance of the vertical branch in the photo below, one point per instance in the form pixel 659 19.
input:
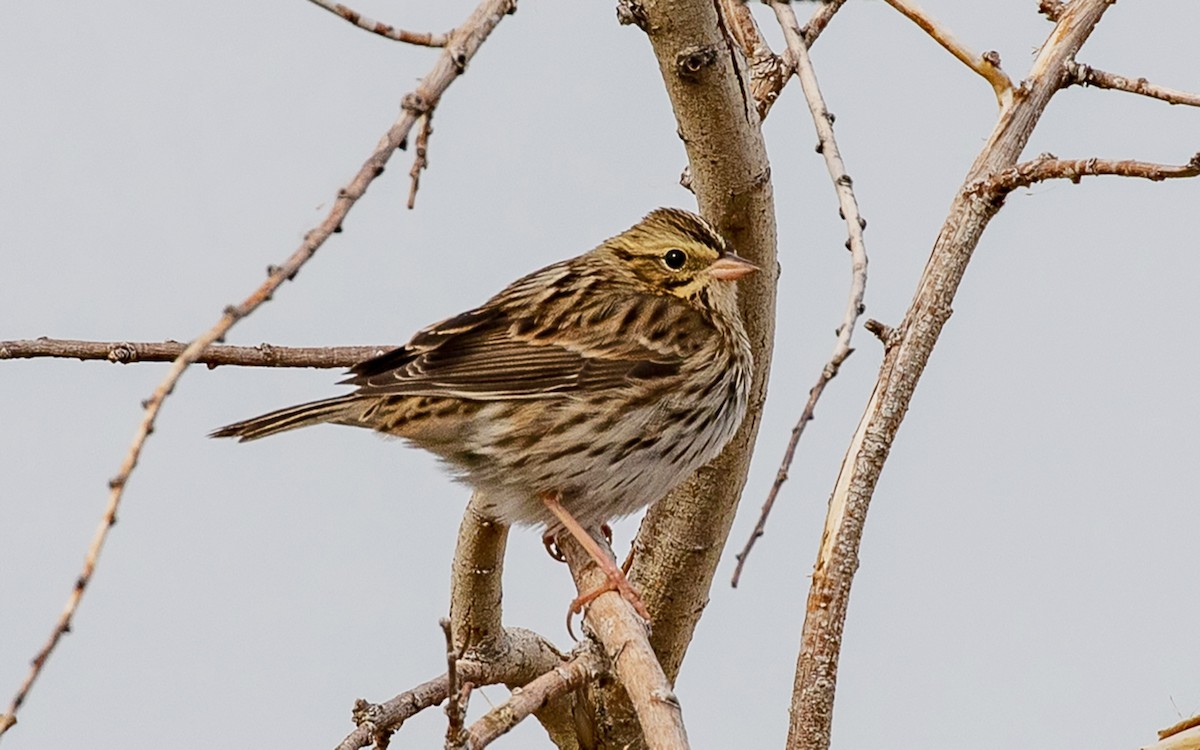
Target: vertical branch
pixel 476 582
pixel 908 351
pixel 681 538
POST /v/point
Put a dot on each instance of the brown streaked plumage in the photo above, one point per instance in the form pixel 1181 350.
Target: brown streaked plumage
pixel 603 380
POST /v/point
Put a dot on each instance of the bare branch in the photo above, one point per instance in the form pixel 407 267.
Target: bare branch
pixel 424 39
pixel 129 352
pixel 848 204
pixel 819 20
pixel 904 361
pixel 375 722
pixel 1181 736
pixel 768 71
pixel 449 66
pixel 622 633
pixel 986 65
pixel 718 125
pixel 476 579
pixel 1086 75
pixel 1050 167
pixel 522 658
pixel 551 686
pixel 420 160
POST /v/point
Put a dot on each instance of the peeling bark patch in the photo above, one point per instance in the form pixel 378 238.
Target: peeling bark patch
pixel 692 60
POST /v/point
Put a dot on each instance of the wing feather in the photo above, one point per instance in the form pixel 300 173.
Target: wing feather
pixel 505 352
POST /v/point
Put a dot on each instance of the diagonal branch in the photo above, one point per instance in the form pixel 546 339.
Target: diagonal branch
pixel 855 224
pixel 542 691
pixel 424 39
pixel 907 354
pixel 466 41
pixel 1086 75
pixel 622 634
pixel 986 65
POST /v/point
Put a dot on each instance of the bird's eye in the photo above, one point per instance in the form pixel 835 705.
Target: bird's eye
pixel 674 258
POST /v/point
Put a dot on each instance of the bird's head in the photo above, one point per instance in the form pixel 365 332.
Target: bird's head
pixel 672 251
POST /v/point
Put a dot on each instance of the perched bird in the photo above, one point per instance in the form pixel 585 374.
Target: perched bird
pixel 580 393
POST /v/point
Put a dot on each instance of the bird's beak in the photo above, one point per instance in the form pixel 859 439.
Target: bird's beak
pixel 730 267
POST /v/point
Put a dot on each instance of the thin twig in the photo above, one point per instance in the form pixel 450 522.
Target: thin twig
pixel 526 700
pixel 449 66
pixel 1086 75
pixel 986 65
pixel 420 159
pixel 1050 167
pixel 130 352
pixel 855 224
pixel 422 38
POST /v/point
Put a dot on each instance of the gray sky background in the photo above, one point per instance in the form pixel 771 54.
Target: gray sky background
pixel 1029 567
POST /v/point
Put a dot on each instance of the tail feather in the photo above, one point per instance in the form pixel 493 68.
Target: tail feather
pixel 336 409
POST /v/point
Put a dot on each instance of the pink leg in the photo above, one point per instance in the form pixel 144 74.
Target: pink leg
pixel 616 577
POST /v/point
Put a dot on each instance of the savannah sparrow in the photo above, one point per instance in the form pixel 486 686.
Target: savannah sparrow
pixel 580 393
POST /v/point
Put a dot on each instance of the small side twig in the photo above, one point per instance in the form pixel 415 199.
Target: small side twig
pixel 130 352
pixel 1051 9
pixel 449 66
pixel 424 39
pixel 855 224
pixel 1085 75
pixel 1050 167
pixel 456 703
pixel 524 701
pixel 819 20
pixel 986 65
pixel 420 159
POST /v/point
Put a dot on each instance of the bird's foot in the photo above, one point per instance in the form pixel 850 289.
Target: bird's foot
pixel 616 576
